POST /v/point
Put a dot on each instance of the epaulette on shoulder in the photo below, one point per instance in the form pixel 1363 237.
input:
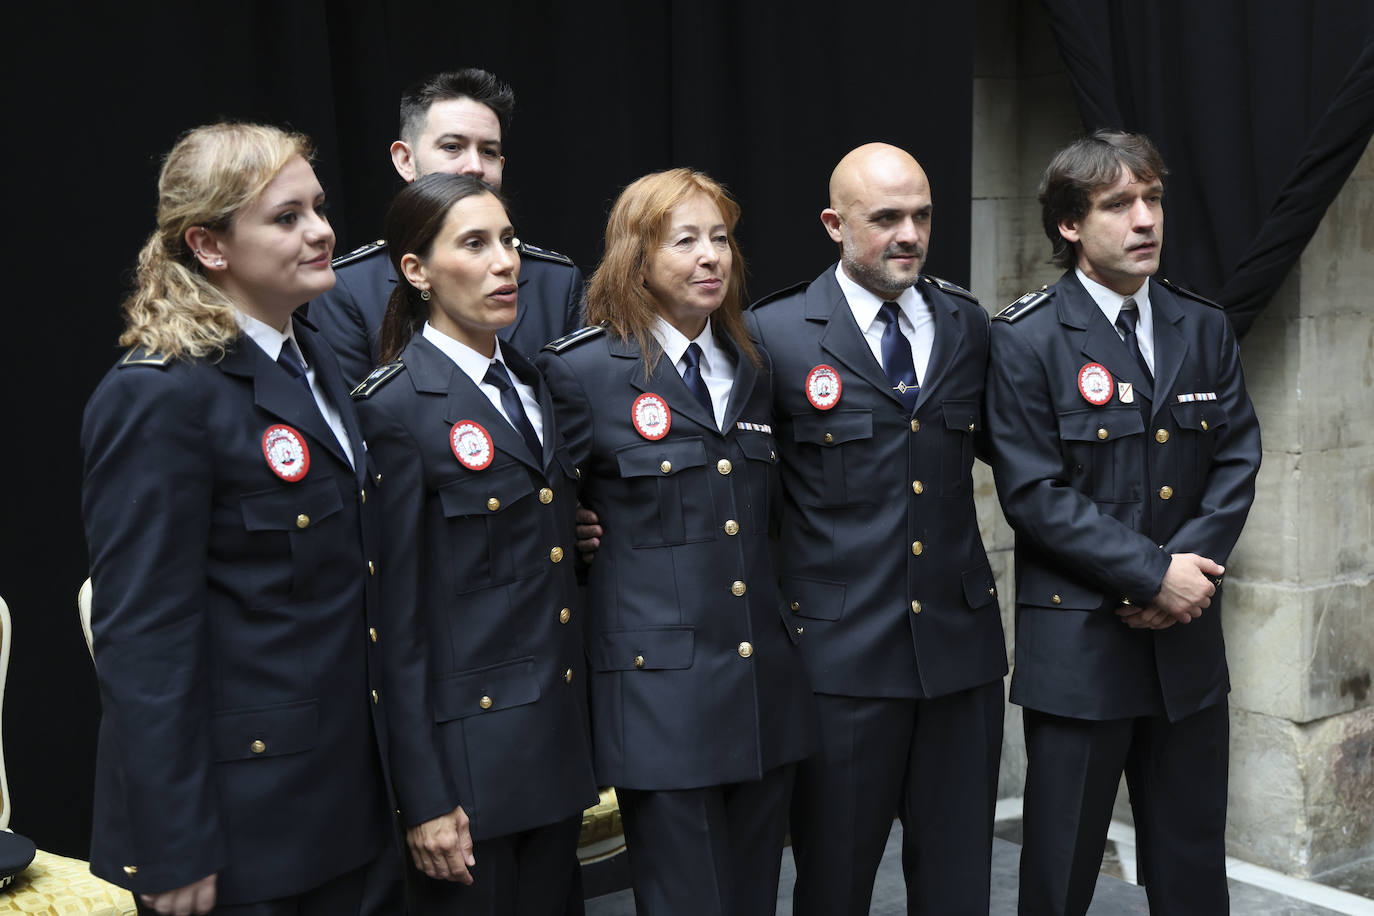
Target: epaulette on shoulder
pixel 568 341
pixel 357 254
pixel 1025 305
pixel 544 254
pixel 137 356
pixel 379 377
pixel 782 294
pixel 1188 294
pixel 954 289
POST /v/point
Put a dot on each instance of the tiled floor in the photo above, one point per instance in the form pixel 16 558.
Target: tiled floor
pixel 1114 897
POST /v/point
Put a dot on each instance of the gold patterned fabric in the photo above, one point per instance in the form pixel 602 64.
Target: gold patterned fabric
pixel 57 886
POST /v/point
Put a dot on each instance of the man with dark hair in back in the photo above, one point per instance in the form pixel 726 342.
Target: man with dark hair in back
pixel 1125 451
pixel 454 122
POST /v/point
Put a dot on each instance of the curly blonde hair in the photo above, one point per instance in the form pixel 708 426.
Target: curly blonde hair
pixel 211 174
pixel 616 295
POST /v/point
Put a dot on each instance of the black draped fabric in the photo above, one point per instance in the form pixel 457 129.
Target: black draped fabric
pixel 1261 111
pixel 764 96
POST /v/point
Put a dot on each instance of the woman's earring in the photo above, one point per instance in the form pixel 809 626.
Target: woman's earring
pixel 424 294
pixel 219 262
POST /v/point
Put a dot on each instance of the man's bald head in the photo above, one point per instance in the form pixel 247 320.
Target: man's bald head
pixel 879 214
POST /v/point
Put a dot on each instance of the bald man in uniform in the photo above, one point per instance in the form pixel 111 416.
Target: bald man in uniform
pixel 878 373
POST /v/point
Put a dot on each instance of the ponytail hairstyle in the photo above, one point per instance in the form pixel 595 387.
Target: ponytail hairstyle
pixel 211 174
pixel 413 222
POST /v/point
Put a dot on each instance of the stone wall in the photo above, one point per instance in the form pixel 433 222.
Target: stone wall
pixel 1300 639
pixel 1299 624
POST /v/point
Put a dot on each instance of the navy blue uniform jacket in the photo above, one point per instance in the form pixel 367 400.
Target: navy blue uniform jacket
pixel 486 556
pixel 880 552
pixel 350 315
pixel 1099 497
pixel 231 615
pixel 696 676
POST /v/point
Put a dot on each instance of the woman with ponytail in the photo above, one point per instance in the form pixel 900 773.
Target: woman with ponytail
pixel 478 535
pixel 229 512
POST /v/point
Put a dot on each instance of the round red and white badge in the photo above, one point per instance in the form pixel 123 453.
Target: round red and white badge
pixel 1095 384
pixel 823 387
pixel 472 445
pixel 651 416
pixel 286 452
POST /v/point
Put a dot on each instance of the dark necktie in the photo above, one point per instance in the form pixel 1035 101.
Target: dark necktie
pixel 1125 323
pixel 901 371
pixel 692 376
pixel 515 411
pixel 289 361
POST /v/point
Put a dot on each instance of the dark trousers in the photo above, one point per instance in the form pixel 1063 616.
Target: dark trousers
pixel 1176 775
pixel 933 763
pixel 714 851
pixel 341 896
pixel 530 873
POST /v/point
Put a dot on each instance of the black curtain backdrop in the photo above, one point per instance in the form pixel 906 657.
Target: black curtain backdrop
pixel 764 96
pixel 1261 111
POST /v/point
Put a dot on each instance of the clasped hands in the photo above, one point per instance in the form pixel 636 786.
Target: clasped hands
pixel 1187 590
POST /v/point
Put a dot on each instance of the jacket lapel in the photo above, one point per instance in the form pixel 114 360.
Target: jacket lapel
pixel 432 372
pixel 949 337
pixel 330 377
pixel 666 383
pixel 281 395
pixel 746 374
pixel 842 338
pixel 1171 346
pixel 1099 342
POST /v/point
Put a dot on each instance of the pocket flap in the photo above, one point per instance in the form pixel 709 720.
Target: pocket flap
pixel 1200 416
pixel 650 648
pixel 485 690
pixel 473 494
pixel 832 427
pixel 661 459
pixel 1101 424
pixel 265 731
pixel 1048 590
pixel 281 508
pixel 962 416
pixel 980 587
pixel 814 598
pixel 757 446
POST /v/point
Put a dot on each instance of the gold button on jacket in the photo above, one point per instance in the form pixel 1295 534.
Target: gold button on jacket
pixel 545 495
pixel 258 746
pixel 746 649
pixel 724 466
pixel 915 607
pixel 567 676
pixel 731 527
pixel 372 633
pixel 639 661
pixel 1161 436
pixel 737 588
pixel 564 615
pixel 1166 492
pixel 915 425
pixel 302 520
pixel 556 554
pixel 1055 599
pixel 493 504
pixel 917 487
pixel 485 702
pixel 1102 432
pixel 666 466
pixel 917 548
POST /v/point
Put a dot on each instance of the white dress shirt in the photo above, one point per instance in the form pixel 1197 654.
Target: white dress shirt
pixel 716 365
pixel 474 366
pixel 914 319
pixel 271 341
pixel 1110 304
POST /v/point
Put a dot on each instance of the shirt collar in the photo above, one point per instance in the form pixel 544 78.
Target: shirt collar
pixel 473 364
pixel 269 338
pixel 674 343
pixel 865 305
pixel 1109 301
